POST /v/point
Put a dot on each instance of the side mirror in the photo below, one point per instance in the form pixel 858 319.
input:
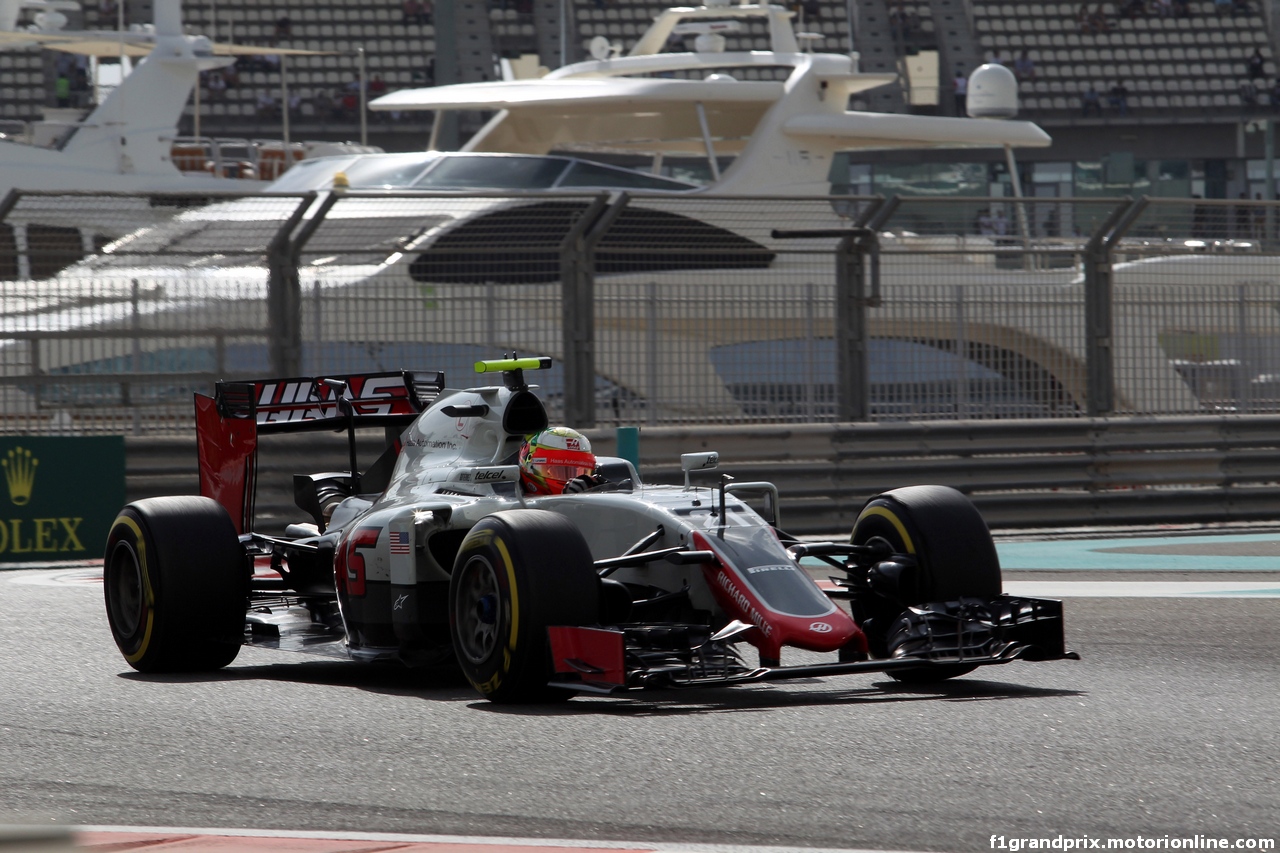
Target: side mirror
pixel 698 462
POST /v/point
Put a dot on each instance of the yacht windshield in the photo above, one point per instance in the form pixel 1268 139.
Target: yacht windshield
pixel 432 170
pixel 364 172
pixel 310 174
pixel 388 171
pixel 584 174
pixel 493 173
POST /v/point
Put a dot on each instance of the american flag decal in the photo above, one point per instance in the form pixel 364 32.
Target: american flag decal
pixel 399 542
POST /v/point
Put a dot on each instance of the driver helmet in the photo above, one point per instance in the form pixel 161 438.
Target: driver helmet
pixel 551 458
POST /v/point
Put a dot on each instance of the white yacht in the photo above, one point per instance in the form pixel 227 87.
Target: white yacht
pixel 126 144
pixel 780 130
pixel 432 233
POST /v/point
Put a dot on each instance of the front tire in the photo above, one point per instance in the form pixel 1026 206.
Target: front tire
pixel 954 553
pixel 175 583
pixel 517 573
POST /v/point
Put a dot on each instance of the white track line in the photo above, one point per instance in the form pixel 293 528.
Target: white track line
pixel 1144 589
pixel 661 847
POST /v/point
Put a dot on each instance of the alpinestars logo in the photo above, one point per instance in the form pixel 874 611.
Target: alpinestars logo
pixel 20 474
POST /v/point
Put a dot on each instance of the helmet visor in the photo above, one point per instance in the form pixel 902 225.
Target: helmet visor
pixel 561 466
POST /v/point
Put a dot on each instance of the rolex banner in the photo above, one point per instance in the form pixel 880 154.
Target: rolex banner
pixel 59 496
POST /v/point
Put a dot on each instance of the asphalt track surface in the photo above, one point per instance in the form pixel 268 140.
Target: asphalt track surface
pixel 1168 727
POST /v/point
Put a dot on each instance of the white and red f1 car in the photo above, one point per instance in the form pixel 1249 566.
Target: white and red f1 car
pixel 434 552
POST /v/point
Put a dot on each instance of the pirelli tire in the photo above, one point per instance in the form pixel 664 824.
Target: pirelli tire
pixel 516 573
pixel 952 546
pixel 175 581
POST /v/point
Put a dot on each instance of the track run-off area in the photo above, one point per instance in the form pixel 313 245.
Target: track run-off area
pixel 1168 729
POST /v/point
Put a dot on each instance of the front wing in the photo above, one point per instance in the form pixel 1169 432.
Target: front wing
pixel 968 632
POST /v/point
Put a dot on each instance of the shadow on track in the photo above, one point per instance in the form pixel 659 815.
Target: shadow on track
pixel 441 683
pixel 771 697
pixel 447 684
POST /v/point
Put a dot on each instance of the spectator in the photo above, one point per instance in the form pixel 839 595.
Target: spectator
pixel 1118 98
pixel 108 9
pixel 812 9
pixel 1274 96
pixel 1090 103
pixel 961 84
pixel 1163 8
pixel 284 29
pixel 62 89
pixel 323 104
pixel 1024 67
pixel 413 12
pixel 295 104
pixel 897 22
pixel 1181 8
pixel 1098 20
pixel 1221 7
pixel 79 86
pixel 1248 95
pixel 216 85
pixel 999 224
pixel 350 104
pixel 267 107
pixel 986 227
pixel 377 86
pixel 1240 7
pixel 1257 65
pixel 996 58
pixel 1084 19
pixel 1259 217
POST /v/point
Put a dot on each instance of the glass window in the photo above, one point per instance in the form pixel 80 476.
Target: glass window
pixel 311 174
pixel 1051 173
pixel 941 180
pixel 493 173
pixel 388 171
pixel 584 174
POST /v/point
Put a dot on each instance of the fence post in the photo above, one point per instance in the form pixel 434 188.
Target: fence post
pixel 1098 295
pixel 857 289
pixel 577 281
pixel 284 293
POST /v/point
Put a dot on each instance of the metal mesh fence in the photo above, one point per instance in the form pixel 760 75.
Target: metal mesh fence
pixel 702 310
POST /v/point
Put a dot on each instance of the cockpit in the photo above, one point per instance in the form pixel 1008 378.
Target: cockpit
pixel 435 170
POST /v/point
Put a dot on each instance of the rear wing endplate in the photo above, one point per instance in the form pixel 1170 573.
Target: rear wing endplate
pixel 228 423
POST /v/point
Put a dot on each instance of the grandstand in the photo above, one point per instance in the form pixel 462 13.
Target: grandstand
pixel 1184 64
pixel 1195 63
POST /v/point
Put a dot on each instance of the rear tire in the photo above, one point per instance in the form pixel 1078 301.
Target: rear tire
pixel 175 582
pixel 955 556
pixel 517 573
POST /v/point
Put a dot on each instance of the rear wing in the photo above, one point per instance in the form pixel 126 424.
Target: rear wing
pixel 292 405
pixel 229 422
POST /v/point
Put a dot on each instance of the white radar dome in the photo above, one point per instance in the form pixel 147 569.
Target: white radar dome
pixel 709 43
pixel 51 20
pixel 993 92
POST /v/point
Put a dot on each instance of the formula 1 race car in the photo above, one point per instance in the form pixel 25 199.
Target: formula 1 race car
pixel 435 553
